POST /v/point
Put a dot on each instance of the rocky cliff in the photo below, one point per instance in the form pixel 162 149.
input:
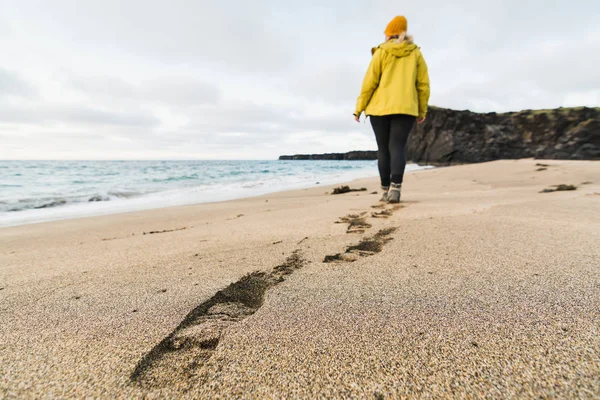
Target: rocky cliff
pixel 449 136
pixel 352 155
pixel 453 137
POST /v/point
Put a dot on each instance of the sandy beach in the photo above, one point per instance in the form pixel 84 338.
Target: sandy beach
pixel 477 285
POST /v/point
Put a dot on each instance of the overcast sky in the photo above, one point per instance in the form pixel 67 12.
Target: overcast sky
pixel 179 79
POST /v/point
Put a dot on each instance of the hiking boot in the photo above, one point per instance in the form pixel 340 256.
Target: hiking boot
pixel 384 198
pixel 394 194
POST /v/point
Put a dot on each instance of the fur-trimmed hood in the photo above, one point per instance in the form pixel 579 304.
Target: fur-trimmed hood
pixel 400 47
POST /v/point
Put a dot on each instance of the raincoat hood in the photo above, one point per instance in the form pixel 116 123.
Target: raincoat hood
pixel 402 49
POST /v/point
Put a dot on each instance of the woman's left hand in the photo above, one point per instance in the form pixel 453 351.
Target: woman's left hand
pixel 357 118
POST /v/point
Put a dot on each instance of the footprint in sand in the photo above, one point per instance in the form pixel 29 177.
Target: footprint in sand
pixel 365 248
pixel 183 353
pixel 356 223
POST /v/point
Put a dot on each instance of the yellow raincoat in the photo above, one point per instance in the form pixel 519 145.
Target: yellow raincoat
pixel 396 82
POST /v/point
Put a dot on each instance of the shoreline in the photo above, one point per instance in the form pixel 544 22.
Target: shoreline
pixel 152 208
pixel 312 190
pixel 476 271
pixel 169 197
pixel 143 203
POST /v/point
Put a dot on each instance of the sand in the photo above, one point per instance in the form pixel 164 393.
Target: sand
pixel 478 285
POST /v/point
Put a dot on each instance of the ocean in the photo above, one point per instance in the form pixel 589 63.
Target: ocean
pixel 37 191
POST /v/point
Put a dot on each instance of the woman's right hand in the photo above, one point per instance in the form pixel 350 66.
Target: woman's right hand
pixel 421 120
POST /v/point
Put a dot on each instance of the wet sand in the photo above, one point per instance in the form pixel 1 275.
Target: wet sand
pixel 477 285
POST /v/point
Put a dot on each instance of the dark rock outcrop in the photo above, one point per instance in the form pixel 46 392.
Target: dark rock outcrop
pixel 449 136
pixel 352 155
pixel 455 137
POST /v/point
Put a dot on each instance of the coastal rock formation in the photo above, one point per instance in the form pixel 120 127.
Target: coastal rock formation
pixel 449 136
pixel 454 137
pixel 352 155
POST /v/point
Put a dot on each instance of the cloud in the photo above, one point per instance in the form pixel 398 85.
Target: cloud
pixel 334 84
pixel 181 92
pixel 233 36
pixel 11 84
pixel 270 120
pixel 198 79
pixel 170 91
pixel 543 74
pixel 75 115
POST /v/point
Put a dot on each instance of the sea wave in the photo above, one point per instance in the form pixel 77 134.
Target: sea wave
pixel 176 178
pixel 55 203
pixel 47 190
pixel 38 204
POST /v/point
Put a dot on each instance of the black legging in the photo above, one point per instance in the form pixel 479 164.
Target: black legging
pixel 391 133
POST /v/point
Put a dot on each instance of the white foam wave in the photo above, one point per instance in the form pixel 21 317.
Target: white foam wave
pixel 129 201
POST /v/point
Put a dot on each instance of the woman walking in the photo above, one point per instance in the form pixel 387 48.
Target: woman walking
pixel 394 94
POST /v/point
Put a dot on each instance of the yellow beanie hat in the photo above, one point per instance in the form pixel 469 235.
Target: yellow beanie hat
pixel 396 26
